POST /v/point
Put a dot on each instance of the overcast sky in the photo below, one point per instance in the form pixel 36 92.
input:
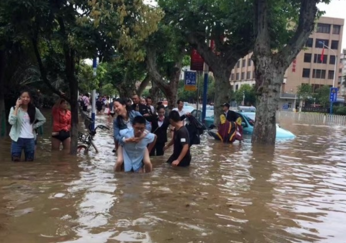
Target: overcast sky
pixel 337 9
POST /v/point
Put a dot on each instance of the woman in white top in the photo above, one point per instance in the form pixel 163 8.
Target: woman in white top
pixel 24 118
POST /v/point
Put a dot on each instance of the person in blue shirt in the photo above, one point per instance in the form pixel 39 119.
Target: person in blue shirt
pixel 136 147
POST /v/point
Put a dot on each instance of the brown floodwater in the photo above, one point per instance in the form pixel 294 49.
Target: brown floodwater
pixel 231 193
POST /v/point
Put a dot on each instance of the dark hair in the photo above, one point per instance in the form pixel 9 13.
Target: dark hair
pixel 178 102
pixel 174 115
pixel 138 120
pixel 120 119
pixel 159 103
pixel 148 98
pixel 31 108
pixel 160 107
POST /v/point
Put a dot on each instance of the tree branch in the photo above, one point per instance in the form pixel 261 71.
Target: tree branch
pixel 143 85
pixel 307 15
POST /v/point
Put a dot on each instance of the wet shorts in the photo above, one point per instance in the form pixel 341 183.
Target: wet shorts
pixel 62 136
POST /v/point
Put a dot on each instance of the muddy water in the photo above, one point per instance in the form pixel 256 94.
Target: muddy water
pixel 231 193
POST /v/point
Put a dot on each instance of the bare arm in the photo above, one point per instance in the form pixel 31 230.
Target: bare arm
pixel 152 144
pixel 183 152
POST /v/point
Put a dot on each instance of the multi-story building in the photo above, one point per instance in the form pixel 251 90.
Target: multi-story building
pixel 308 67
pixel 342 81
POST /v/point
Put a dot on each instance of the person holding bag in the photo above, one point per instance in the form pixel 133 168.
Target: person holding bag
pixel 61 126
pixel 24 118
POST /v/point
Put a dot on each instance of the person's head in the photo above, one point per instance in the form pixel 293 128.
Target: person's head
pixel 225 107
pixel 138 125
pixel 180 104
pixel 87 95
pixel 63 104
pixel 159 104
pixel 143 102
pixel 174 118
pixel 135 99
pixel 161 111
pixel 149 101
pixel 129 102
pixel 121 107
pixel 25 97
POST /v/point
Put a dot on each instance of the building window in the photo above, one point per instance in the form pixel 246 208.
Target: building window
pixel 307 57
pixel 238 64
pixel 236 87
pixel 330 74
pixel 336 29
pixel 319 43
pixel 248 74
pixel 335 45
pixel 309 42
pixel 306 73
pixel 340 70
pixel 243 63
pixel 319 73
pixel 237 76
pixel 249 62
pixel 331 59
pixel 317 58
pixel 253 75
pixel 242 75
pixel 232 76
pixel 323 28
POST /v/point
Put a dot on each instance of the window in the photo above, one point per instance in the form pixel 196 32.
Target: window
pixel 319 43
pixel 307 57
pixel 253 75
pixel 243 63
pixel 306 73
pixel 323 28
pixel 340 70
pixel 248 74
pixel 336 29
pixel 242 75
pixel 232 76
pixel 236 87
pixel 319 73
pixel 238 64
pixel 309 42
pixel 237 76
pixel 335 45
pixel 249 62
pixel 331 59
pixel 330 74
pixel 317 58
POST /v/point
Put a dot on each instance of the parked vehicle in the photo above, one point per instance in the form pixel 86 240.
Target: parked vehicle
pixel 248 121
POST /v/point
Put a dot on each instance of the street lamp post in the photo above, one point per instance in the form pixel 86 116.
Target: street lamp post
pixel 336 61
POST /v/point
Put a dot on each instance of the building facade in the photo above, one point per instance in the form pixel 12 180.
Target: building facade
pixel 310 66
pixel 342 82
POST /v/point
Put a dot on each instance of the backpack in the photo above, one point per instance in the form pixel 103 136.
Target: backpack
pixel 195 129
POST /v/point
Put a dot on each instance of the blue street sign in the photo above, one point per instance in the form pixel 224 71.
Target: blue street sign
pixel 333 95
pixel 190 78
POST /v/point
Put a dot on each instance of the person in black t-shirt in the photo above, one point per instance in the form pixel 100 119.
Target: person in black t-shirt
pixel 181 151
pixel 231 116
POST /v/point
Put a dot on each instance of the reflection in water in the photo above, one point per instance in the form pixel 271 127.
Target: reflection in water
pixel 232 193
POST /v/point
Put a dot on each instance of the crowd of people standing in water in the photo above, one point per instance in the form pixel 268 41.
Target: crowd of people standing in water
pixel 140 129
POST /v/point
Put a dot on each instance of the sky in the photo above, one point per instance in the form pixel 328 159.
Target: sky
pixel 337 9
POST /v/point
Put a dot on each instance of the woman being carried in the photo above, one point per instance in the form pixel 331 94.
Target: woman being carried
pixel 61 126
pixel 24 118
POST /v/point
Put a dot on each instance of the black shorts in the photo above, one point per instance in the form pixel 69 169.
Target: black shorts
pixel 183 163
pixel 62 136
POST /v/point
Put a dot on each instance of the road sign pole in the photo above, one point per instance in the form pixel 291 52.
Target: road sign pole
pixel 331 108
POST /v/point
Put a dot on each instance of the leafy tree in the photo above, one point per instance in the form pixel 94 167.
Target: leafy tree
pixel 305 91
pixel 322 96
pixel 249 92
pixel 270 66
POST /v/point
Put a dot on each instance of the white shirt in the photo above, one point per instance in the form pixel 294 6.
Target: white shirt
pixel 181 113
pixel 26 130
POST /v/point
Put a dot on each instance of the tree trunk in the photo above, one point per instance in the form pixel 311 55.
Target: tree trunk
pixel 143 85
pixel 222 92
pixel 3 119
pixel 73 85
pixel 269 78
pixel 154 92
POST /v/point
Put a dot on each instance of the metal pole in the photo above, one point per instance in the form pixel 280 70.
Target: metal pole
pixel 335 76
pixel 198 76
pixel 93 104
pixel 205 94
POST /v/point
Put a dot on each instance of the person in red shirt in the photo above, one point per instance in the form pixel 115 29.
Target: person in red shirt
pixel 61 126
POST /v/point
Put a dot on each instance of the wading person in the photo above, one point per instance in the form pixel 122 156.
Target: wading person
pixel 160 126
pixel 24 118
pixel 181 142
pixel 61 126
pixel 133 153
pixel 231 116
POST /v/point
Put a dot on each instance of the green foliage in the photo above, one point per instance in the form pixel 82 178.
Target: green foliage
pixel 322 96
pixel 305 91
pixel 340 110
pixel 248 91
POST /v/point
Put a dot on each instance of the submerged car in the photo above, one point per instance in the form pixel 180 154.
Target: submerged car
pixel 248 121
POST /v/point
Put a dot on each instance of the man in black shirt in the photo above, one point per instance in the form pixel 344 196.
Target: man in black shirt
pixel 181 151
pixel 231 116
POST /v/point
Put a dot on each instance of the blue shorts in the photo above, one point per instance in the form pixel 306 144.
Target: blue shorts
pixel 26 144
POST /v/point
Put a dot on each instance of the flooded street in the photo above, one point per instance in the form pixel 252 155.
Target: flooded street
pixel 231 193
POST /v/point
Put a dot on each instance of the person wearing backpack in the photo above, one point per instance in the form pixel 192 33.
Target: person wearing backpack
pixel 24 118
